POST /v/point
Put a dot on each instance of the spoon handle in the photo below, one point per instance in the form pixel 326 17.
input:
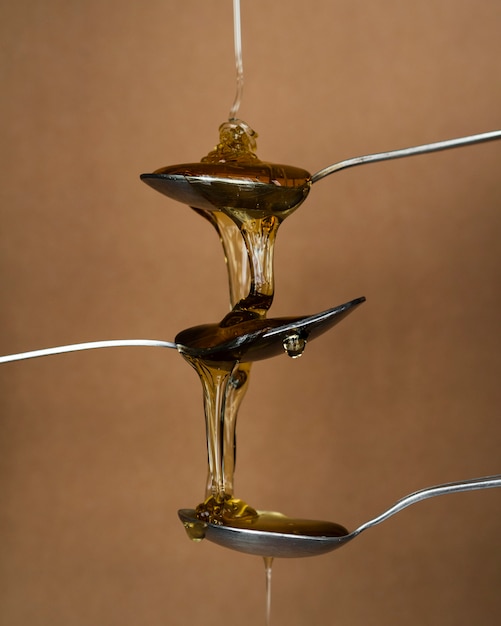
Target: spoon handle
pixel 406 152
pixel 90 345
pixel 485 482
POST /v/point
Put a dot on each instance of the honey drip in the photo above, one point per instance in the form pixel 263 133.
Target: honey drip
pixel 224 385
pixel 275 192
pixel 235 253
pixel 268 562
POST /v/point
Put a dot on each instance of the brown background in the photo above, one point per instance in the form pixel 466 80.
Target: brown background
pixel 100 449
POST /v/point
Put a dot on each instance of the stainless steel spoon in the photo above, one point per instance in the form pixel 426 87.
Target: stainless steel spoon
pixel 212 186
pixel 248 340
pixel 251 540
pixel 238 338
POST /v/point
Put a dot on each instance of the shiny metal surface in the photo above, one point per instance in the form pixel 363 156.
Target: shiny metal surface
pixel 198 184
pixel 258 188
pixel 285 545
pixel 257 339
pixel 407 152
pixel 90 345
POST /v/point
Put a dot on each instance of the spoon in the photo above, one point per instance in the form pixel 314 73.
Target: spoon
pixel 239 339
pixel 253 188
pixel 249 340
pixel 291 538
pixel 211 186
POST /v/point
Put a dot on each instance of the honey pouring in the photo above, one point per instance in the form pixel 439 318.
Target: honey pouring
pixel 246 200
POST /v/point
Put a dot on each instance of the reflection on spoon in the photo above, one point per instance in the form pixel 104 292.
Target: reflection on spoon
pixel 257 189
pixel 248 340
pixel 276 535
pixel 196 185
pixel 251 340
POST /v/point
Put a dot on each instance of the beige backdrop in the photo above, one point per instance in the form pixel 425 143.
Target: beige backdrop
pixel 100 449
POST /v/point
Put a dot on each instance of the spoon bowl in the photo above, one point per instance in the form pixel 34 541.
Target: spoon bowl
pixel 257 339
pixel 255 188
pixel 273 534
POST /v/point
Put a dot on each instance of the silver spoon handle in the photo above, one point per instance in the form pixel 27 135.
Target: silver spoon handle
pixel 91 345
pixel 485 482
pixel 406 152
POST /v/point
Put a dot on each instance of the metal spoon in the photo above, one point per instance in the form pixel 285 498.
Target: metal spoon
pixel 250 540
pixel 213 186
pixel 237 338
pixel 249 340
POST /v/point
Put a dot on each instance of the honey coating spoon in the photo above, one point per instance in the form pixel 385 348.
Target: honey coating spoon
pixel 275 535
pixel 240 339
pixel 213 186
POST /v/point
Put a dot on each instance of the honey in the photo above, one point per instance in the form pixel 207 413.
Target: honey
pixel 246 200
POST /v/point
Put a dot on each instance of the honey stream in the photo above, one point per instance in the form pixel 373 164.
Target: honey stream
pixel 268 562
pixel 246 200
